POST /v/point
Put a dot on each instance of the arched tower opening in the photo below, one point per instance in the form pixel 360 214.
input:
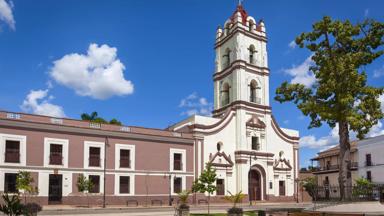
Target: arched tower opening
pixel 227 58
pixel 253 92
pixel 252 52
pixel 225 94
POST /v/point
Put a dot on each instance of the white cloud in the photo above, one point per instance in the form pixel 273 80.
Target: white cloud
pixel 6 14
pixel 37 102
pixel 376 130
pixel 324 142
pixel 301 73
pixel 378 72
pixel 311 141
pixel 195 105
pixel 331 140
pixel 381 99
pixel 292 44
pixel 97 74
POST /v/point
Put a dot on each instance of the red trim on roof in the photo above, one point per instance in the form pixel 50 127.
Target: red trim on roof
pixel 243 13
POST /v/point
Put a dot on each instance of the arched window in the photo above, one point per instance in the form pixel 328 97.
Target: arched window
pixel 219 146
pixel 252 52
pixel 227 58
pixel 226 28
pixel 252 92
pixel 225 94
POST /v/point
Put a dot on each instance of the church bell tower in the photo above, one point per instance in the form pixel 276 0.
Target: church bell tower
pixel 241 73
pixel 242 140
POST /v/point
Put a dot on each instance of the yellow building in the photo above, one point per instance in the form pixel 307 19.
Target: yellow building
pixel 327 170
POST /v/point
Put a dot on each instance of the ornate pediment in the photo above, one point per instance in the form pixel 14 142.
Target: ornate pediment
pixel 255 122
pixel 282 164
pixel 220 159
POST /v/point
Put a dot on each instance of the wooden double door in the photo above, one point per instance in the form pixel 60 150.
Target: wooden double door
pixel 254 185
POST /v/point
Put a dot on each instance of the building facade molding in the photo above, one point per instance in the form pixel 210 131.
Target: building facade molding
pixel 237 30
pixel 16 124
pixel 282 134
pixel 243 65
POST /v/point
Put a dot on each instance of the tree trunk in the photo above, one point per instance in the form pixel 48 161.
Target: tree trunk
pixel 209 200
pixel 88 199
pixel 345 176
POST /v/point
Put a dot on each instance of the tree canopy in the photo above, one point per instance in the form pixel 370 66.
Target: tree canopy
pixel 95 118
pixel 341 95
pixel 341 92
pixel 206 182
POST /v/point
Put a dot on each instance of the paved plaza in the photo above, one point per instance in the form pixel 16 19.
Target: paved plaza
pixel 161 211
pixel 368 208
pixel 375 208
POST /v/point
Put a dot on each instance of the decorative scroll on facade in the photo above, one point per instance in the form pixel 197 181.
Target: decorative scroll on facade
pixel 282 164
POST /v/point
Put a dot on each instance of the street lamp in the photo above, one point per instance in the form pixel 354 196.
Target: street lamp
pixel 297 181
pixel 106 145
pixel 169 188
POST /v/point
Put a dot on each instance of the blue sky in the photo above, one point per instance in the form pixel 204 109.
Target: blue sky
pixel 160 54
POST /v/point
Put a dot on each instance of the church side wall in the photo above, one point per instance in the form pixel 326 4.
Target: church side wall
pixel 227 137
pixel 277 144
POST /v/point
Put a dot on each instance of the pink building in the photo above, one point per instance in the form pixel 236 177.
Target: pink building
pixel 140 163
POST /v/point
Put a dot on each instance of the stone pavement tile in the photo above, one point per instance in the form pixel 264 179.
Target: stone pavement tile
pixel 360 207
pixel 123 214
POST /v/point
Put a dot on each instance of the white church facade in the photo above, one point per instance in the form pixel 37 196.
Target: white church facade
pixel 146 166
pixel 242 140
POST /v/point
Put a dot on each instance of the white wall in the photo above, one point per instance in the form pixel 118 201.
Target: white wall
pixel 375 147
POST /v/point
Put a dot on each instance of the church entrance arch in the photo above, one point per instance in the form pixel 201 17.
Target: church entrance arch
pixel 256 183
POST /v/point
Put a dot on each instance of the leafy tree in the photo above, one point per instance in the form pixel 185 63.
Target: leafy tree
pixel 310 185
pixel 206 182
pixel 340 95
pixel 24 182
pixel 84 185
